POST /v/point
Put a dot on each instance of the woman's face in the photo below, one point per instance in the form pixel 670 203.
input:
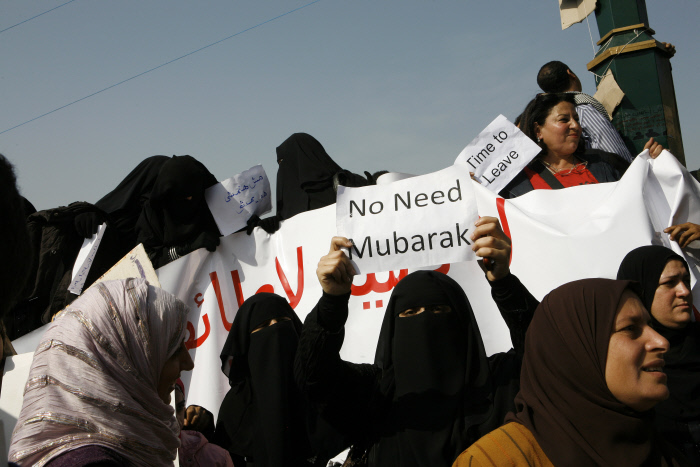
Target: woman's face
pixel 178 362
pixel 634 367
pixel 673 301
pixel 561 131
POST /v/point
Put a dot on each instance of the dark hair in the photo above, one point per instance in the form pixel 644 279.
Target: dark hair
pixel 15 252
pixel 537 111
pixel 553 77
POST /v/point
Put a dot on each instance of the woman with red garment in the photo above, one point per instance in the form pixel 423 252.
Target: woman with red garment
pixel 552 121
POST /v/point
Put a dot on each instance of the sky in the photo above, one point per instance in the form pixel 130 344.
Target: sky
pixel 383 84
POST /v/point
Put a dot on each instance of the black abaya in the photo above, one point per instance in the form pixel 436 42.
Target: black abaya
pixel 262 417
pixel 431 392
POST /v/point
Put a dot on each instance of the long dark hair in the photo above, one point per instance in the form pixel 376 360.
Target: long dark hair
pixel 537 111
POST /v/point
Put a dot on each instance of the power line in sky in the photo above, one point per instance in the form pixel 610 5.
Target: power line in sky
pixel 36 16
pixel 159 66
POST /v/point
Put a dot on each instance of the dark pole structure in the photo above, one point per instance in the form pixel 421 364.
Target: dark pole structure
pixel 642 68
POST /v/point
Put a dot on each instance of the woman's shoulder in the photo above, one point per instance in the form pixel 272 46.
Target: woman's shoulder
pixel 605 163
pixel 89 456
pixel 510 445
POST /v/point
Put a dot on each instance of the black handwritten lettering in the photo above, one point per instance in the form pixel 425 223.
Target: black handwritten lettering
pixel 357 208
pixel 388 248
pixel 418 245
pixel 396 244
pixel 372 209
pixel 446 242
pixel 360 253
pixel 459 193
pixel 398 197
pixel 460 236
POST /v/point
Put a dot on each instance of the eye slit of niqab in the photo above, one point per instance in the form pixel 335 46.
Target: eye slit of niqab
pixel 270 322
pixel 435 309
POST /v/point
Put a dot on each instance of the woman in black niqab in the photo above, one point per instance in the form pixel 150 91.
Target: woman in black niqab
pixel 304 176
pixel 435 375
pixel 262 416
pixel 678 417
pixel 431 391
pixel 307 179
pixel 161 204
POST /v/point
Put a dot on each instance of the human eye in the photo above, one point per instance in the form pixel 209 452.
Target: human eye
pixel 633 330
pixel 410 312
pixel 441 309
pixel 262 325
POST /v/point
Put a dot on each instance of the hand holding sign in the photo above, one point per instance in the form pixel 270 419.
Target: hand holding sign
pixel 334 270
pixel 491 244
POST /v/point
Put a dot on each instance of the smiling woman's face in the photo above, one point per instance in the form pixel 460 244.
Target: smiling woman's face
pixel 561 131
pixel 634 366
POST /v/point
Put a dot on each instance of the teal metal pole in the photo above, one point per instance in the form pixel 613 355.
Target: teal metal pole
pixel 642 68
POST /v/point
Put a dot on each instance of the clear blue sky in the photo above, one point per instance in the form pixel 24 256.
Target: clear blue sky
pixel 399 85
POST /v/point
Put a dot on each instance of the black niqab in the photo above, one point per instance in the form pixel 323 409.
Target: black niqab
pixel 263 414
pixel 149 206
pixel 176 211
pixel 435 376
pixel 304 176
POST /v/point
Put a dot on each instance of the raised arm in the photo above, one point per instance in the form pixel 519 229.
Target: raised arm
pixel 514 301
pixel 343 393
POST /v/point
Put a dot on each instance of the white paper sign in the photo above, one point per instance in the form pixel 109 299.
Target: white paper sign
pixel 498 154
pixel 233 201
pixel 134 264
pixel 83 262
pixel 575 11
pixel 415 222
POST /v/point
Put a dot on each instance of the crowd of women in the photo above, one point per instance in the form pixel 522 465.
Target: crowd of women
pixel 602 371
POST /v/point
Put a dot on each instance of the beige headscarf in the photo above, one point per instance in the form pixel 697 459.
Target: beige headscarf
pixel 94 377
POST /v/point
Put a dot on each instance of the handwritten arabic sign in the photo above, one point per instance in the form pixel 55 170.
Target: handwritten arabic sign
pixel 233 201
pixel 83 262
pixel 498 154
pixel 415 222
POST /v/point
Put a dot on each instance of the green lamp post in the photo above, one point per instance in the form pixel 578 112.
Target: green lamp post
pixel 642 68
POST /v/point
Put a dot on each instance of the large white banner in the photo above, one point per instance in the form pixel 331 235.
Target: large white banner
pixel 558 236
pixel 215 284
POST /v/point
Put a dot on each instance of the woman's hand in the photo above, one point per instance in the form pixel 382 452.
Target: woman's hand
pixel 684 234
pixel 198 418
pixel 493 246
pixel 654 148
pixel 335 271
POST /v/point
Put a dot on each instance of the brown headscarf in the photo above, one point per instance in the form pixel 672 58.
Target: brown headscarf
pixel 564 399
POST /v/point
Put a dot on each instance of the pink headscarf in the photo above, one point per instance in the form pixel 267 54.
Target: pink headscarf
pixel 94 377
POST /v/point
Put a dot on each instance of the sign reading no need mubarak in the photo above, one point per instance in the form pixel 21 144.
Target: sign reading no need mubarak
pixel 416 222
